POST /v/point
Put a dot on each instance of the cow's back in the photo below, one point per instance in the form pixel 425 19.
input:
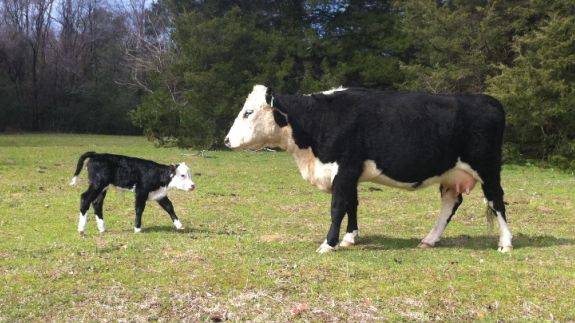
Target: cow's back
pixel 412 136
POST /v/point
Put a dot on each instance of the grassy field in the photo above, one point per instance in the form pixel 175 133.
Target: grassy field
pixel 247 252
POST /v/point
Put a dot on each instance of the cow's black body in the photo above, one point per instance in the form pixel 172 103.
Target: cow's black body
pixel 135 174
pixel 411 137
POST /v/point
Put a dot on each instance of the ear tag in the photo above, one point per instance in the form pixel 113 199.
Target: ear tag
pixel 272 102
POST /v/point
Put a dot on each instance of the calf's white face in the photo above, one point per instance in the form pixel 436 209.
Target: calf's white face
pixel 182 179
pixel 254 126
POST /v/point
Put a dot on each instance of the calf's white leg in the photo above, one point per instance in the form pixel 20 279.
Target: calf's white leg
pixel 82 222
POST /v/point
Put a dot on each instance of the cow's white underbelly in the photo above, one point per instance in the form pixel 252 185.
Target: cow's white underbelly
pixel 321 175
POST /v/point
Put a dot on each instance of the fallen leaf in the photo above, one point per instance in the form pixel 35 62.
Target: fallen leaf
pixel 297 310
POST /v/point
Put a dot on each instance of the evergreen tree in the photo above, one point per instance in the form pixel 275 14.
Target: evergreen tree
pixel 539 89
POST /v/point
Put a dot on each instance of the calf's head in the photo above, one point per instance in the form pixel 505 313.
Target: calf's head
pixel 181 177
pixel 255 126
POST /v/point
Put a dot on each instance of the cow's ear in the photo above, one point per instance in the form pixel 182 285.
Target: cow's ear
pixel 173 170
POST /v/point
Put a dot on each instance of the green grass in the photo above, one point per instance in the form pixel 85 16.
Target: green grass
pixel 252 227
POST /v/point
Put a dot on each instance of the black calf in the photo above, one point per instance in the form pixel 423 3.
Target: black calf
pixel 147 179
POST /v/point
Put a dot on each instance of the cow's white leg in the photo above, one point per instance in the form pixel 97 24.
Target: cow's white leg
pixel 494 194
pixel 325 247
pixel 178 224
pixel 82 221
pixel 505 236
pixel 449 203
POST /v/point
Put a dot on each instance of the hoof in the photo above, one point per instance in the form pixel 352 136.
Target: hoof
pixel 178 225
pixel 137 230
pixel 349 239
pixel 505 249
pixel 325 248
pixel 82 233
pixel 424 245
pixel 101 226
pixel 345 244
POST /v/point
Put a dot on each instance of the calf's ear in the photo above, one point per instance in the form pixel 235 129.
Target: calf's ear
pixel 173 169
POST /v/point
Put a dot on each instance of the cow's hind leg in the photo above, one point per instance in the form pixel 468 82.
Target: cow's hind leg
pixel 496 207
pixel 450 201
pixel 352 231
pixel 98 205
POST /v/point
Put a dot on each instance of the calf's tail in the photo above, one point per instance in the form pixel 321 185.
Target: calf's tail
pixel 80 165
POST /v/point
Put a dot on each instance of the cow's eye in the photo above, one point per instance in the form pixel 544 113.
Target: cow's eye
pixel 183 176
pixel 247 113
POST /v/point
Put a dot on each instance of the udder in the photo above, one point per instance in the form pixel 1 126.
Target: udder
pixel 458 181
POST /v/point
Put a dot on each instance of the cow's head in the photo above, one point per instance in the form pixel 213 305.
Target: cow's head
pixel 181 177
pixel 256 125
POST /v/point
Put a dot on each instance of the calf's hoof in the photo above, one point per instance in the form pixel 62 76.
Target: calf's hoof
pixel 349 239
pixel 425 245
pixel 101 226
pixel 325 248
pixel 505 249
pixel 178 225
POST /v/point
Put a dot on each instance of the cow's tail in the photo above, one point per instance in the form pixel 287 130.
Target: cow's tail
pixel 80 165
pixel 490 216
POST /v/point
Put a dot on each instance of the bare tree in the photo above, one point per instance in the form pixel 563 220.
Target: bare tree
pixel 150 51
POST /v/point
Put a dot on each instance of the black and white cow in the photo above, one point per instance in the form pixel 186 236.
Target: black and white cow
pixel 406 140
pixel 148 179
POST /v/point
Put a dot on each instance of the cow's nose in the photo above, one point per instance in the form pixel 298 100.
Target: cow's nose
pixel 193 187
pixel 227 142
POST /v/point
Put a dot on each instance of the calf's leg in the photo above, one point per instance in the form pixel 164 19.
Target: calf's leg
pixel 141 198
pixel 85 199
pixel 98 205
pixel 166 204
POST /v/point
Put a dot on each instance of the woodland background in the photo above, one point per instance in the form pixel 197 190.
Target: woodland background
pixel 179 70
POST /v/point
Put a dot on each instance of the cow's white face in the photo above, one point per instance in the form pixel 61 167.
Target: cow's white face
pixel 182 179
pixel 254 126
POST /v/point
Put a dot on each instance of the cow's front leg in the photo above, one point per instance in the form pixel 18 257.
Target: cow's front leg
pixel 352 232
pixel 343 197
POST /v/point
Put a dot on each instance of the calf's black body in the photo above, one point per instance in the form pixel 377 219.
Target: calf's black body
pixel 147 179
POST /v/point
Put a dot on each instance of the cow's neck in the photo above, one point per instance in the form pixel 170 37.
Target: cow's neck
pixel 310 168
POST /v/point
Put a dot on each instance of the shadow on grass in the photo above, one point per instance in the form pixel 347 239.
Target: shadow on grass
pixel 172 229
pixel 381 242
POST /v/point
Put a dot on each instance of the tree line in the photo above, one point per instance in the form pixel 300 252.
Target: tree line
pixel 179 69
pixel 63 63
